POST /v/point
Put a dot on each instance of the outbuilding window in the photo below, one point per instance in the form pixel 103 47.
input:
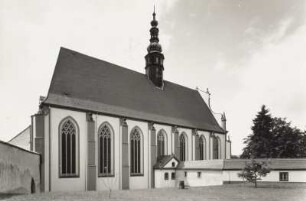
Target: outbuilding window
pixel 173 175
pixel 283 176
pixel 199 174
pixel 166 176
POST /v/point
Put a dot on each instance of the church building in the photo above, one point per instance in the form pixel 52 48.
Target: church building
pixel 104 126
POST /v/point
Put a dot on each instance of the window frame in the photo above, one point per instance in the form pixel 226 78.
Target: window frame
pixel 77 149
pixel 283 176
pixel 112 139
pixel 173 175
pixel 164 134
pixel 166 176
pixel 216 139
pixel 140 173
pixel 183 153
pixel 203 151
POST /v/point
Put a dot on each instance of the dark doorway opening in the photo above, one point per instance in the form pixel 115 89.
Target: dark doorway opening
pixel 32 186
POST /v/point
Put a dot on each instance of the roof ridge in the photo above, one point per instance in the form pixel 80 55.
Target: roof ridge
pixel 119 66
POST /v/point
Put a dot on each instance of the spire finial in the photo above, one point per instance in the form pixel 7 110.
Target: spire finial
pixel 154 14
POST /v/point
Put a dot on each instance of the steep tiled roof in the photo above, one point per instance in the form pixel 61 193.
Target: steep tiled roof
pixel 87 83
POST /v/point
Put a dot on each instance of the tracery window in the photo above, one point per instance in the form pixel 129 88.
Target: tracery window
pixel 202 147
pixel 68 148
pixel 136 157
pixel 161 139
pixel 216 148
pixel 105 150
pixel 182 147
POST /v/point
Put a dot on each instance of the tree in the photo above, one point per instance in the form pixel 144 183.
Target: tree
pixel 253 171
pixel 287 142
pixel 274 138
pixel 258 142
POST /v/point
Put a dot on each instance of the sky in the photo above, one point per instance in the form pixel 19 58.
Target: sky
pixel 247 52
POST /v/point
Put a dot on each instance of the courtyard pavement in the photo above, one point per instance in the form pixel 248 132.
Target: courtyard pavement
pixel 228 192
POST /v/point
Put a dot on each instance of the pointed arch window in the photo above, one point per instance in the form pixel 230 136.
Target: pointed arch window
pixel 202 147
pixel 216 148
pixel 161 144
pixel 68 148
pixel 182 147
pixel 105 150
pixel 136 152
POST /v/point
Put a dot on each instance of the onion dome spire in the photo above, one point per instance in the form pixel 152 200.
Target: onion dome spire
pixel 154 45
pixel 154 58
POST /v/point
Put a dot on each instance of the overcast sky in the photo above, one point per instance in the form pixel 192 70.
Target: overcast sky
pixel 247 52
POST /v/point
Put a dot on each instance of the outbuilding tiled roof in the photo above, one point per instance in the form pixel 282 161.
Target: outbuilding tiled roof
pixel 274 163
pixel 201 164
pixel 86 83
pixel 239 164
pixel 163 161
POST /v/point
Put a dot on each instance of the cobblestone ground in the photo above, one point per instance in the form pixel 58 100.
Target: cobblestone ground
pixel 227 192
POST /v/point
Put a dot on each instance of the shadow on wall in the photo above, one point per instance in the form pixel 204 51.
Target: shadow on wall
pixel 15 181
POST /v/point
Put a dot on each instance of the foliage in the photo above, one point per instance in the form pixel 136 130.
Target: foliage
pixel 274 138
pixel 253 171
pixel 234 157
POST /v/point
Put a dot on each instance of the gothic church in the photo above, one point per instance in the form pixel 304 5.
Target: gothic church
pixel 103 126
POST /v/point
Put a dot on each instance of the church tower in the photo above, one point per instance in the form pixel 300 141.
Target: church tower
pixel 154 58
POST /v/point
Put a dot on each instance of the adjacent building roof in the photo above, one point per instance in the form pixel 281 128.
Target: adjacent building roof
pixel 86 83
pixel 239 164
pixel 273 163
pixel 163 161
pixel 201 164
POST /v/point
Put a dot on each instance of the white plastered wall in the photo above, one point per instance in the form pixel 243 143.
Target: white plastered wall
pixel 169 164
pixel 189 149
pixel 47 152
pixel 167 129
pixel 160 181
pixel 222 145
pixel 207 178
pixel 113 182
pixel 140 182
pixel 228 149
pixel 65 184
pixel 206 134
pixel 273 176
